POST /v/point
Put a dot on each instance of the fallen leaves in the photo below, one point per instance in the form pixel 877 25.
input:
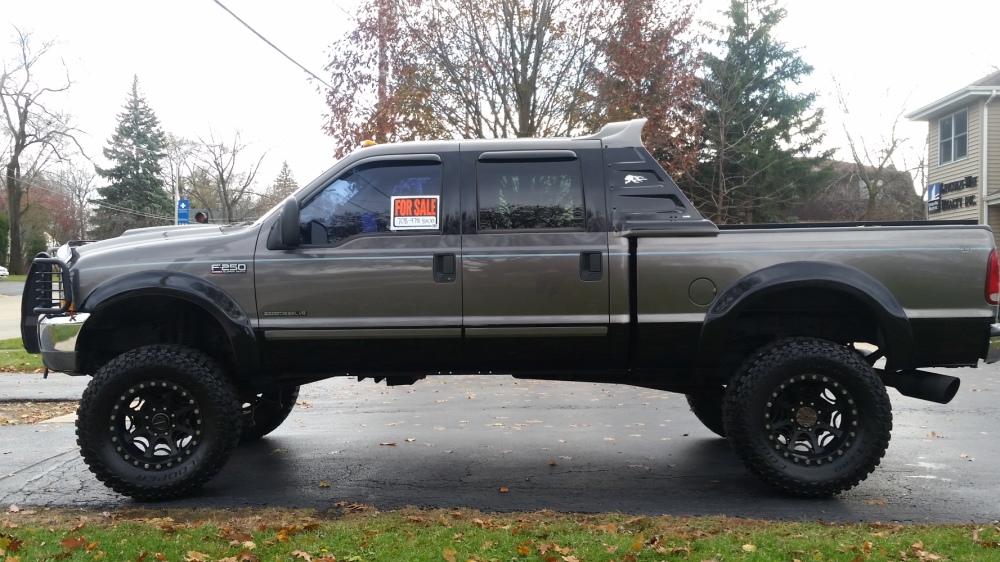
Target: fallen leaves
pixel 982 543
pixel 73 543
pixel 22 412
pixel 9 543
pixel 917 549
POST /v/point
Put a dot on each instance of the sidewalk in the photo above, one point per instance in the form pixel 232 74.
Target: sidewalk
pixel 31 386
pixel 10 317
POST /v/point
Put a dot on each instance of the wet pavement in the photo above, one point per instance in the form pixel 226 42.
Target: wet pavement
pixel 561 446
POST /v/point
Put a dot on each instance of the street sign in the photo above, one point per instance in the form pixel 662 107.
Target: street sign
pixel 182 211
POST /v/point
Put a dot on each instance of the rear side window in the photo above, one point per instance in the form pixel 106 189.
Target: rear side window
pixel 361 201
pixel 530 194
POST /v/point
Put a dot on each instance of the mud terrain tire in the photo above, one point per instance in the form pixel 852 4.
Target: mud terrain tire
pixel 157 422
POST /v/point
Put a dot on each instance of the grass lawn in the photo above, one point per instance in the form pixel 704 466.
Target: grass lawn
pixel 14 359
pixel 358 533
pixel 14 278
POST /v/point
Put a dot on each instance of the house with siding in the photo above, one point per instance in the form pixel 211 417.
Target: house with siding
pixel 963 172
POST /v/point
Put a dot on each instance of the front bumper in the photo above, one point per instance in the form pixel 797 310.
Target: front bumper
pixel 57 339
pixel 993 355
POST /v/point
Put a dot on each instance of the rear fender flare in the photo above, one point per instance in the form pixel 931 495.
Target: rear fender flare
pixel 728 307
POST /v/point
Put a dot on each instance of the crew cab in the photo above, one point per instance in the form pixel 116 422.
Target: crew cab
pixel 572 259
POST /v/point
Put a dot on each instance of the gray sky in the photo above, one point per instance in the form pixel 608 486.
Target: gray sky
pixel 202 71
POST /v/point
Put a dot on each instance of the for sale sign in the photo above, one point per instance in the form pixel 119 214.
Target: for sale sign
pixel 415 212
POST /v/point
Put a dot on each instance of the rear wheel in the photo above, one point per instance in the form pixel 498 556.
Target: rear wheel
pixel 706 403
pixel 808 416
pixel 264 412
pixel 157 422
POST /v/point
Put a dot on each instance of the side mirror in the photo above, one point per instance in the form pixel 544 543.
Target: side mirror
pixel 289 224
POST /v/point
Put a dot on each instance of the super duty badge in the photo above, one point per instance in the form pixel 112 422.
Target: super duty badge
pixel 229 268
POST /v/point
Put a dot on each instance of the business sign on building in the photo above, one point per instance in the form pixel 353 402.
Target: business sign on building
pixel 935 203
pixel 934 198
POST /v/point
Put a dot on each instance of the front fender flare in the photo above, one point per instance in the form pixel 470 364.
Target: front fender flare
pixel 815 275
pixel 230 315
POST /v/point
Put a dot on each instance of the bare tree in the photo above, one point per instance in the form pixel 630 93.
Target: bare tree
pixel 38 135
pixel 233 188
pixel 181 155
pixel 416 69
pixel 77 182
pixel 509 68
pixel 887 192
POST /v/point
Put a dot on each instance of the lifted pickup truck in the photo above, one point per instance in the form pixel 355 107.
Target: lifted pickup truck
pixel 565 259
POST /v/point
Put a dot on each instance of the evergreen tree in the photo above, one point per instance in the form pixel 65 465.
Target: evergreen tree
pixel 759 138
pixel 283 186
pixel 135 196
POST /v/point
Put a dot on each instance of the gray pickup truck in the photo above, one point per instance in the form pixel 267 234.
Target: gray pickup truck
pixel 564 259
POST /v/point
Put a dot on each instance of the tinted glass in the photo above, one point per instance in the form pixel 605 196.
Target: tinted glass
pixel 530 194
pixel 358 202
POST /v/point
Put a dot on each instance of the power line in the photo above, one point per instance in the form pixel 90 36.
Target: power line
pixel 98 203
pixel 275 47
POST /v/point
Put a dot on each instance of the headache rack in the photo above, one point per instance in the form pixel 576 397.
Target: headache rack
pixel 48 286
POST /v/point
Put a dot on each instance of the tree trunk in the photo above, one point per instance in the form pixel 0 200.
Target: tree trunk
pixel 14 213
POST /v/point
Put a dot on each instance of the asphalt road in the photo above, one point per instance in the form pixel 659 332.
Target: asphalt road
pixel 560 446
pixel 11 288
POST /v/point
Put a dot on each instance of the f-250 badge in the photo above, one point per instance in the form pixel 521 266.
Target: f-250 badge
pixel 229 268
pixel 634 179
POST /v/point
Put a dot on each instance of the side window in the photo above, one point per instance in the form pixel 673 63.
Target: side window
pixel 530 194
pixel 360 201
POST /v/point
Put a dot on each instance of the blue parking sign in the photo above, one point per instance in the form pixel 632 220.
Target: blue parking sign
pixel 183 206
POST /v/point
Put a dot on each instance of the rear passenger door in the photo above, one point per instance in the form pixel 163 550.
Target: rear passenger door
pixel 534 264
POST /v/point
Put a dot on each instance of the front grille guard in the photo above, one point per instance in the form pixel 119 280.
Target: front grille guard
pixel 52 292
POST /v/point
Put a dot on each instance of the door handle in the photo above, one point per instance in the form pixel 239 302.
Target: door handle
pixel 591 266
pixel 444 268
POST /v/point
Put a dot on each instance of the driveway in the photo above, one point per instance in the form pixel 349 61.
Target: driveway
pixel 10 309
pixel 457 441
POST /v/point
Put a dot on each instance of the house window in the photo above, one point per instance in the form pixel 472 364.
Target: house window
pixel 954 137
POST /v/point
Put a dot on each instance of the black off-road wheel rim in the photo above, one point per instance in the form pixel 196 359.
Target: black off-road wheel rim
pixel 156 425
pixel 811 419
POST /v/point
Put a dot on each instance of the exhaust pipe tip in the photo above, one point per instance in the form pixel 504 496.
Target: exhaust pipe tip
pixel 924 385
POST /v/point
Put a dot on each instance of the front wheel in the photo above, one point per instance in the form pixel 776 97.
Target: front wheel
pixel 808 416
pixel 157 422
